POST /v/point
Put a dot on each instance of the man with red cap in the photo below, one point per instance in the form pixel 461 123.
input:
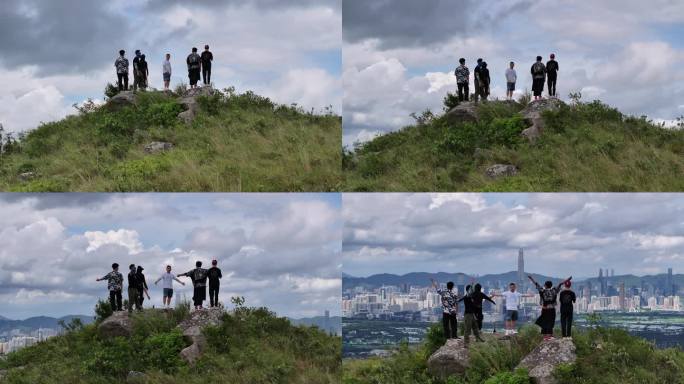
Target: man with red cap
pixel 567 298
pixel 552 74
pixel 214 283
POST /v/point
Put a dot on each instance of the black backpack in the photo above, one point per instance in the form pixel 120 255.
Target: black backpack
pixel 538 68
pixel 548 296
pixel 194 60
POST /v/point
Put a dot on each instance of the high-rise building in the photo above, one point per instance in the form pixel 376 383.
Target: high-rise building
pixel 669 288
pixel 521 268
pixel 602 283
pixel 622 296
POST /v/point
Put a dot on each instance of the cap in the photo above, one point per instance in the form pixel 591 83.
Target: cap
pixel 568 284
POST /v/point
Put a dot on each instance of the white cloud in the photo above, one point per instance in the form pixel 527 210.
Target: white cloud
pixel 128 239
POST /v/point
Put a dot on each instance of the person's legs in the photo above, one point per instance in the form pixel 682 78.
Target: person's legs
pixel 119 76
pixel 112 300
pixel 468 326
pixel 563 320
pixel 480 319
pixel 477 90
pixel 466 91
pixel 460 92
pixel 132 298
pixel 141 297
pixel 445 325
pixel 119 300
pixel 453 324
pixel 569 324
pixel 204 75
pixel 125 77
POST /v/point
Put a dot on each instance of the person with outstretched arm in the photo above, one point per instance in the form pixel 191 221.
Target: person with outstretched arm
pixel 199 282
pixel 548 295
pixel 142 285
pixel 114 285
pixel 449 309
pixel 133 297
pixel 121 65
pixel 462 74
pixel 512 297
pixel 144 72
pixel 166 71
pixel 567 298
pixel 552 74
pixel 206 58
pixel 194 66
pixel 469 317
pixel 167 279
pixel 215 276
pixel 478 298
pixel 538 72
pixel 511 78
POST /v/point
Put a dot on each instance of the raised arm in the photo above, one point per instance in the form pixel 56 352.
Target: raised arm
pixel 488 299
pixel 179 280
pixel 563 282
pixel 533 281
pixel 156 281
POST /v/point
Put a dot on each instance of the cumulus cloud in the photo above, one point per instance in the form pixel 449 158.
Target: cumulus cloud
pixel 481 233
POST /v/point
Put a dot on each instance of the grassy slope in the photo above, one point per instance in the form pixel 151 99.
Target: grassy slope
pixel 237 143
pixel 588 147
pixel 252 346
pixel 606 356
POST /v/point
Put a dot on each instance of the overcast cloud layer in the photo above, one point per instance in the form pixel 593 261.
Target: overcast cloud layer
pixel 481 233
pixel 56 53
pixel 399 55
pixel 277 250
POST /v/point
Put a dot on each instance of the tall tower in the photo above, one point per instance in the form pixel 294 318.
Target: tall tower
pixel 521 268
pixel 622 296
pixel 669 290
pixel 600 280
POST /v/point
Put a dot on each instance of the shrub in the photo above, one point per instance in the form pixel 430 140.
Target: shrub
pixel 111 90
pixel 450 101
pixel 103 309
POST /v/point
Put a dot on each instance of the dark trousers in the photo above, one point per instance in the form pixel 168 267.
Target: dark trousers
pixel 477 89
pixel 141 296
pixel 213 295
pixel 123 81
pixel 133 299
pixel 450 325
pixel 479 317
pixel 552 85
pixel 547 320
pixel 115 300
pixel 463 92
pixel 206 74
pixel 566 322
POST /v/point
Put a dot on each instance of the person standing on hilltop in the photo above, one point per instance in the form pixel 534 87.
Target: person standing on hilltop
pixel 215 276
pixel 166 71
pixel 194 66
pixel 484 81
pixel 199 282
pixel 538 72
pixel 121 65
pixel 136 70
pixel 567 297
pixel 476 72
pixel 167 279
pixel 142 285
pixel 511 78
pixel 478 298
pixel 548 295
pixel 144 72
pixel 449 309
pixel 470 317
pixel 133 289
pixel 512 298
pixel 552 74
pixel 462 74
pixel 114 285
pixel 206 58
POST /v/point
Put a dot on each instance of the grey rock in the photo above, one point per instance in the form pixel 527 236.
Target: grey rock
pixel 464 112
pixel 499 170
pixel 532 114
pixel 541 362
pixel 121 100
pixel 192 332
pixel 135 377
pixel 157 146
pixel 3 372
pixel 118 324
pixel 452 359
pixel 26 176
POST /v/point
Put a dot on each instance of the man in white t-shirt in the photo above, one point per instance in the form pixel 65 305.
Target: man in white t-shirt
pixel 166 71
pixel 167 283
pixel 512 298
pixel 511 78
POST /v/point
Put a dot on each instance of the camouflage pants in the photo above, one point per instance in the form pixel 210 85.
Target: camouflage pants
pixel 470 326
pixel 133 297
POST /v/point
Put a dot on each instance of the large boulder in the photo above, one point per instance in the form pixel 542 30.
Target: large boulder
pixel 192 331
pixel 26 176
pixel 541 362
pixel 532 114
pixel 118 324
pixel 500 170
pixel 135 377
pixel 189 102
pixel 464 112
pixel 121 100
pixel 452 358
pixel 157 146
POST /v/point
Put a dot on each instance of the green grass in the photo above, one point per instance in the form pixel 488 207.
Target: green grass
pixel 238 142
pixel 604 355
pixel 252 346
pixel 585 147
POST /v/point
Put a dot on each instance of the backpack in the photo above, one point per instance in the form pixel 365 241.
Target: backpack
pixel 548 296
pixel 538 68
pixel 194 60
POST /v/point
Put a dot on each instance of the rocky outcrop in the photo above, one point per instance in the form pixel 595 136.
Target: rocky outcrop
pixel 500 170
pixel 532 114
pixel 541 362
pixel 192 331
pixel 189 102
pixel 118 324
pixel 157 146
pixel 121 100
pixel 135 377
pixel 26 176
pixel 452 358
pixel 464 112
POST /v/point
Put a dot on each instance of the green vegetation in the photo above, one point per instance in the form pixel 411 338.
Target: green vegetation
pixel 237 142
pixel 604 355
pixel 251 346
pixel 585 147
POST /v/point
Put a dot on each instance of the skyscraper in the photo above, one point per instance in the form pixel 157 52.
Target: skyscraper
pixel 669 289
pixel 521 268
pixel 622 296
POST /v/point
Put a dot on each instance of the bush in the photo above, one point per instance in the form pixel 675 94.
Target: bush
pixel 520 376
pixel 103 309
pixel 450 101
pixel 111 90
pixel 161 351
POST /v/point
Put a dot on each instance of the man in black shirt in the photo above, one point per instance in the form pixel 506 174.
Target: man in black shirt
pixel 136 70
pixel 567 298
pixel 142 285
pixel 133 289
pixel 552 74
pixel 470 315
pixel 207 58
pixel 476 73
pixel 478 298
pixel 214 283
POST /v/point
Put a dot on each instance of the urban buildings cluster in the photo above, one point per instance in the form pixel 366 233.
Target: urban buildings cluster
pixel 16 339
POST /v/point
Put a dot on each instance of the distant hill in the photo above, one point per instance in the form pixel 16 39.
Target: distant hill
pixel 585 147
pixel 33 323
pixel 332 324
pixel 178 141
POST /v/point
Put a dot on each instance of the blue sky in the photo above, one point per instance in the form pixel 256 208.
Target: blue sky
pixel 278 250
pixel 56 64
pixel 625 53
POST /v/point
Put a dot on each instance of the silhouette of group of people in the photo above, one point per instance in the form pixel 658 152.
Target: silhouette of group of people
pixel 196 64
pixel 482 80
pixel 473 299
pixel 138 289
